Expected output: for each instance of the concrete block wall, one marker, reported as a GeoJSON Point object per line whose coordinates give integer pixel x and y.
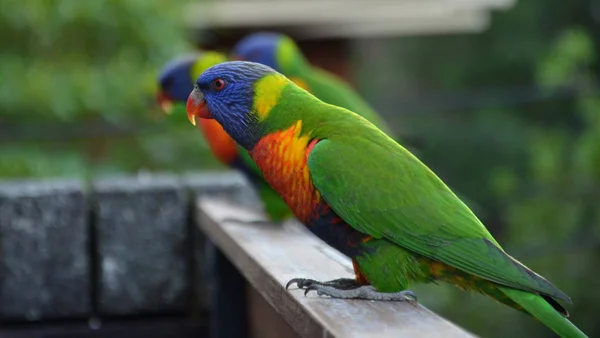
{"type": "Point", "coordinates": [121, 246]}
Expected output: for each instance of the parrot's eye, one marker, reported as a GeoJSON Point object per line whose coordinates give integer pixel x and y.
{"type": "Point", "coordinates": [218, 84]}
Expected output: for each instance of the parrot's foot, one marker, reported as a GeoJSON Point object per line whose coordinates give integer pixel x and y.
{"type": "Point", "coordinates": [367, 292]}
{"type": "Point", "coordinates": [340, 283]}
{"type": "Point", "coordinates": [259, 222]}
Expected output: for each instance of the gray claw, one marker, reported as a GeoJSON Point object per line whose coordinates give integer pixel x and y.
{"type": "Point", "coordinates": [340, 283]}
{"type": "Point", "coordinates": [409, 294]}
{"type": "Point", "coordinates": [301, 282]}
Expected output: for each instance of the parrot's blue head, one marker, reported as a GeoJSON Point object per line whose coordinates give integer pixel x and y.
{"type": "Point", "coordinates": [175, 81]}
{"type": "Point", "coordinates": [177, 77]}
{"type": "Point", "coordinates": [259, 47]}
{"type": "Point", "coordinates": [238, 95]}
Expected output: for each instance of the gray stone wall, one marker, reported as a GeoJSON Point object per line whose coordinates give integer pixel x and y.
{"type": "Point", "coordinates": [120, 246]}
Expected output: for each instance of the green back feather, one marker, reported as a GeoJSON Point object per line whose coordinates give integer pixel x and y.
{"type": "Point", "coordinates": [324, 85]}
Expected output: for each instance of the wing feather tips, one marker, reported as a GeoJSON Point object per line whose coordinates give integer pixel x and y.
{"type": "Point", "coordinates": [556, 306]}
{"type": "Point", "coordinates": [544, 287]}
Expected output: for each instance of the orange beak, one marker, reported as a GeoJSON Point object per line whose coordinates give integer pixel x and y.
{"type": "Point", "coordinates": [196, 106]}
{"type": "Point", "coordinates": [165, 102]}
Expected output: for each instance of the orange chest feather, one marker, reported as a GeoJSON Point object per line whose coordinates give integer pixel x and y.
{"type": "Point", "coordinates": [282, 157]}
{"type": "Point", "coordinates": [221, 144]}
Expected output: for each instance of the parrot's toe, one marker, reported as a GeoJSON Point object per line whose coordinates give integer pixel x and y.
{"type": "Point", "coordinates": [410, 296]}
{"type": "Point", "coordinates": [340, 283]}
{"type": "Point", "coordinates": [300, 282]}
{"type": "Point", "coordinates": [366, 292]}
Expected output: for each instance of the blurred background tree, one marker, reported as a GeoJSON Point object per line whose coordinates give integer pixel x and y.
{"type": "Point", "coordinates": [77, 88]}
{"type": "Point", "coordinates": [510, 118]}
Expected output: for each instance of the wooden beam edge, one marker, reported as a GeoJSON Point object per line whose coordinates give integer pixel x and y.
{"type": "Point", "coordinates": [261, 279]}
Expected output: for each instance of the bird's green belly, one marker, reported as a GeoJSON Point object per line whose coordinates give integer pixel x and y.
{"type": "Point", "coordinates": [391, 268]}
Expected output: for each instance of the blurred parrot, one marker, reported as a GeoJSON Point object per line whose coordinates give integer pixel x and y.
{"type": "Point", "coordinates": [281, 53]}
{"type": "Point", "coordinates": [176, 81]}
{"type": "Point", "coordinates": [367, 196]}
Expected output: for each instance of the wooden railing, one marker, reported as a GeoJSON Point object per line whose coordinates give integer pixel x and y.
{"type": "Point", "coordinates": [268, 255]}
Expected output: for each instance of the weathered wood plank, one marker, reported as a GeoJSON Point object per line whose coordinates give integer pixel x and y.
{"type": "Point", "coordinates": [263, 321]}
{"type": "Point", "coordinates": [218, 285]}
{"type": "Point", "coordinates": [227, 315]}
{"type": "Point", "coordinates": [268, 256]}
{"type": "Point", "coordinates": [326, 12]}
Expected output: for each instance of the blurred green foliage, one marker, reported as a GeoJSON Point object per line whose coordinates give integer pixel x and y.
{"type": "Point", "coordinates": [92, 64]}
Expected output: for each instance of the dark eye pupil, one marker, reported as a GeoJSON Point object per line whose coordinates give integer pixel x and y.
{"type": "Point", "coordinates": [219, 84]}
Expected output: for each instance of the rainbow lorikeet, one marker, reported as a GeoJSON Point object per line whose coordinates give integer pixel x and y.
{"type": "Point", "coordinates": [176, 80]}
{"type": "Point", "coordinates": [367, 196]}
{"type": "Point", "coordinates": [281, 53]}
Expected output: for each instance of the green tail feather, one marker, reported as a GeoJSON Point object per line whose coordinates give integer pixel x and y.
{"type": "Point", "coordinates": [544, 312]}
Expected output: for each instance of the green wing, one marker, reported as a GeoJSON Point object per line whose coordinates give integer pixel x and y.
{"type": "Point", "coordinates": [382, 190]}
